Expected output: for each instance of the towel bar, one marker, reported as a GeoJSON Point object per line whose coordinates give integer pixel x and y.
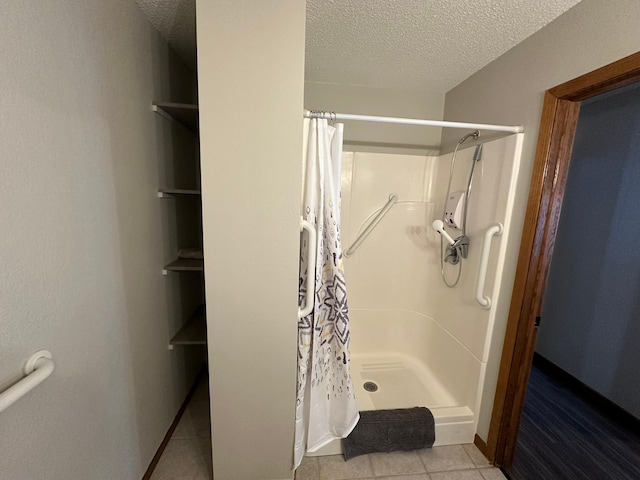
{"type": "Point", "coordinates": [393, 198]}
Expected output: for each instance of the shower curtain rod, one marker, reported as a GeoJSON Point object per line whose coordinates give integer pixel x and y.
{"type": "Point", "coordinates": [412, 121]}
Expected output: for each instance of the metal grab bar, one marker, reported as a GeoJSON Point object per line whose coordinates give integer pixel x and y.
{"type": "Point", "coordinates": [393, 198]}
{"type": "Point", "coordinates": [484, 262]}
{"type": "Point", "coordinates": [37, 369]}
{"type": "Point", "coordinates": [311, 269]}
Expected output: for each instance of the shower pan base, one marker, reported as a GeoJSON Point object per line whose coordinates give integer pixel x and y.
{"type": "Point", "coordinates": [405, 383]}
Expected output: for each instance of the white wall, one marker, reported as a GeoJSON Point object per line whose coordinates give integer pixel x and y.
{"type": "Point", "coordinates": [84, 239]}
{"type": "Point", "coordinates": [381, 137]}
{"type": "Point", "coordinates": [251, 79]}
{"type": "Point", "coordinates": [510, 91]}
{"type": "Point", "coordinates": [591, 307]}
{"type": "Point", "coordinates": [388, 269]}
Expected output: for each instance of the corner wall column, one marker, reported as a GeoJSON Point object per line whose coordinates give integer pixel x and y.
{"type": "Point", "coordinates": [251, 82]}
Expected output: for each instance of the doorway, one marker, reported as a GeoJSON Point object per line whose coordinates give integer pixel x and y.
{"type": "Point", "coordinates": [561, 108]}
{"type": "Point", "coordinates": [582, 402]}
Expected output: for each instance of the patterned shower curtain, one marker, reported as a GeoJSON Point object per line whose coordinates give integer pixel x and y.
{"type": "Point", "coordinates": [325, 406]}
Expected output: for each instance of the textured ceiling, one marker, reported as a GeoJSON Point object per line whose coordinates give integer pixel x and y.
{"type": "Point", "coordinates": [416, 44]}
{"type": "Point", "coordinates": [403, 44]}
{"type": "Point", "coordinates": [176, 22]}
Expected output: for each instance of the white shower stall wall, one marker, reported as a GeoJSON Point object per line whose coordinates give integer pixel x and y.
{"type": "Point", "coordinates": [419, 342]}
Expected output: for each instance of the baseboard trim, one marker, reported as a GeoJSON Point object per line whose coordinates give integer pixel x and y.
{"type": "Point", "coordinates": [608, 408]}
{"type": "Point", "coordinates": [174, 424]}
{"type": "Point", "coordinates": [482, 446]}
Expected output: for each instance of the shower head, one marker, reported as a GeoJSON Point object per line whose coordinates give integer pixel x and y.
{"type": "Point", "coordinates": [475, 134]}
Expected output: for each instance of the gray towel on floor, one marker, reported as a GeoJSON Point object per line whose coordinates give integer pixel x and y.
{"type": "Point", "coordinates": [390, 430]}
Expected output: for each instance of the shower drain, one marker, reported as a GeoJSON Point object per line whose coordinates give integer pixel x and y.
{"type": "Point", "coordinates": [370, 386]}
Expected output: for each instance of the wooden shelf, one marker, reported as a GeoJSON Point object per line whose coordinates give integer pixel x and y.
{"type": "Point", "coordinates": [184, 265]}
{"type": "Point", "coordinates": [172, 192]}
{"type": "Point", "coordinates": [194, 330]}
{"type": "Point", "coordinates": [183, 113]}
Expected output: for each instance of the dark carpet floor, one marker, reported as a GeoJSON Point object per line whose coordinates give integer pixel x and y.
{"type": "Point", "coordinates": [564, 436]}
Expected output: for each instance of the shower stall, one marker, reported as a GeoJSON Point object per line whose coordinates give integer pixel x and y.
{"type": "Point", "coordinates": [414, 341]}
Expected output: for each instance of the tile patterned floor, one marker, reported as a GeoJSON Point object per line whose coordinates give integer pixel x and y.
{"type": "Point", "coordinates": [455, 462]}
{"type": "Point", "coordinates": [188, 457]}
{"type": "Point", "coordinates": [188, 453]}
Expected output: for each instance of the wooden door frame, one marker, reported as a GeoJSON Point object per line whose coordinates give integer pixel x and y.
{"type": "Point", "coordinates": [551, 164]}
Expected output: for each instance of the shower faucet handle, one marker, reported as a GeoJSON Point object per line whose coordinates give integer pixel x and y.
{"type": "Point", "coordinates": [438, 226]}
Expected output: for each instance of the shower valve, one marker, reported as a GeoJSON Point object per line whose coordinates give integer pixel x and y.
{"type": "Point", "coordinates": [456, 249]}
{"type": "Point", "coordinates": [462, 245]}
{"type": "Point", "coordinates": [459, 249]}
{"type": "Point", "coordinates": [451, 255]}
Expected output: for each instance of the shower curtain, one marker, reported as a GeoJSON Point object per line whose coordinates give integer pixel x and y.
{"type": "Point", "coordinates": [325, 405]}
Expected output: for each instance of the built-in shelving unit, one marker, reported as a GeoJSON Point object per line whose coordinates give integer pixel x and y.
{"type": "Point", "coordinates": [176, 192]}
{"type": "Point", "coordinates": [182, 113]}
{"type": "Point", "coordinates": [194, 331]}
{"type": "Point", "coordinates": [184, 265]}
